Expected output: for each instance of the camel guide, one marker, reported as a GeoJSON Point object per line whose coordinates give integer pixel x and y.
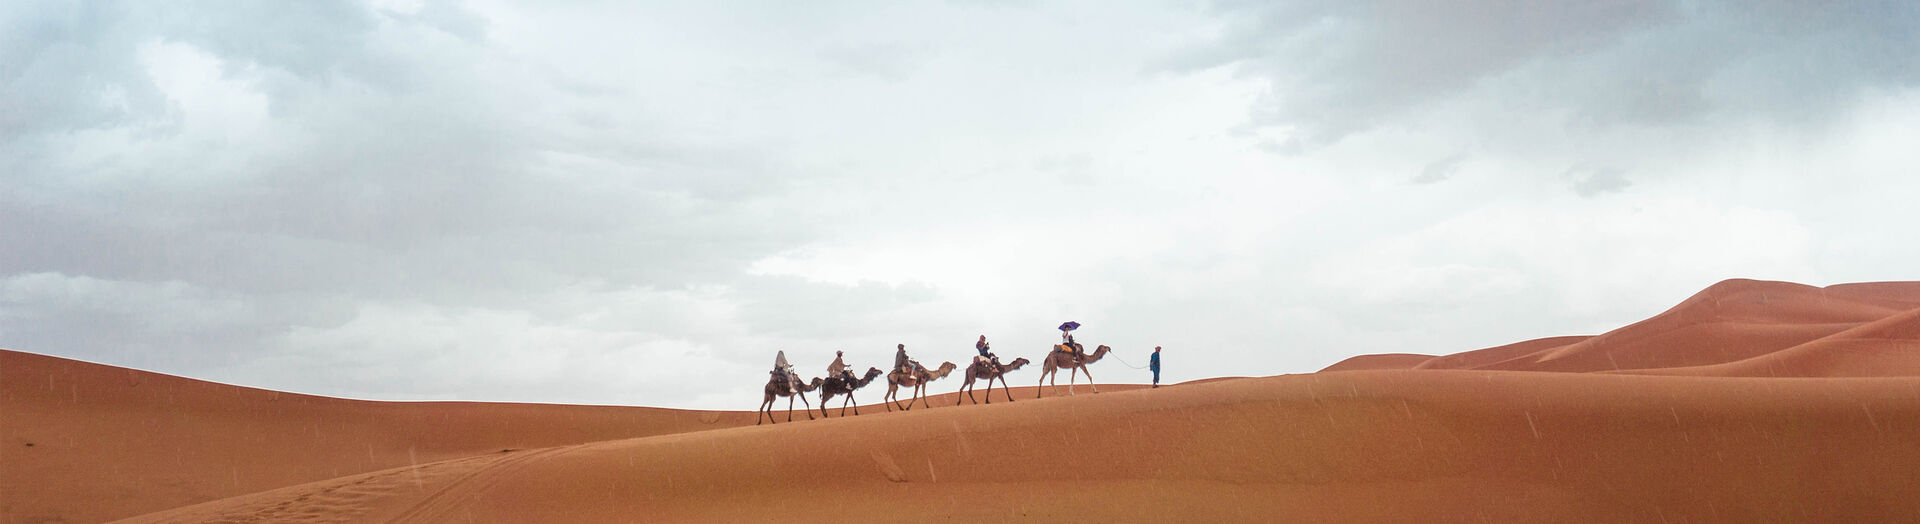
{"type": "Point", "coordinates": [1153, 363]}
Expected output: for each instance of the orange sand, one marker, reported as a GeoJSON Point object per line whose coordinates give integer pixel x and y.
{"type": "Point", "coordinates": [1751, 401]}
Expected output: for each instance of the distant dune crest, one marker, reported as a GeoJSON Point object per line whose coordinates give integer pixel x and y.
{"type": "Point", "coordinates": [1737, 328]}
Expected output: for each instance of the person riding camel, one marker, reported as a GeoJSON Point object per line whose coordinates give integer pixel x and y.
{"type": "Point", "coordinates": [1066, 340]}
{"type": "Point", "coordinates": [900, 360]}
{"type": "Point", "coordinates": [986, 352]}
{"type": "Point", "coordinates": [783, 370]}
{"type": "Point", "coordinates": [839, 367]}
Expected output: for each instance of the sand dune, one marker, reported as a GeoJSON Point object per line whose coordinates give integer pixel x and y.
{"type": "Point", "coordinates": [1484, 357]}
{"type": "Point", "coordinates": [1367, 445]}
{"type": "Point", "coordinates": [1732, 321]}
{"type": "Point", "coordinates": [1750, 401]}
{"type": "Point", "coordinates": [1381, 361]}
{"type": "Point", "coordinates": [84, 442]}
{"type": "Point", "coordinates": [1888, 347]}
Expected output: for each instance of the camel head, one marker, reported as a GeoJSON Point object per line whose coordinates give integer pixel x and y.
{"type": "Point", "coordinates": [1095, 355]}
{"type": "Point", "coordinates": [817, 381]}
{"type": "Point", "coordinates": [945, 368]}
{"type": "Point", "coordinates": [871, 372]}
{"type": "Point", "coordinates": [1010, 366]}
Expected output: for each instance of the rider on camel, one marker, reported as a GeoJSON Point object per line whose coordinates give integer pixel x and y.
{"type": "Point", "coordinates": [839, 367]}
{"type": "Point", "coordinates": [783, 370]}
{"type": "Point", "coordinates": [901, 362]}
{"type": "Point", "coordinates": [1066, 340]}
{"type": "Point", "coordinates": [986, 352]}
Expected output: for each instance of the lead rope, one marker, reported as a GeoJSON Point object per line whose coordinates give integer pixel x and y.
{"type": "Point", "coordinates": [1116, 356]}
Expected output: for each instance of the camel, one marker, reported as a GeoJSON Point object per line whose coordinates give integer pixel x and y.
{"type": "Point", "coordinates": [985, 370]}
{"type": "Point", "coordinates": [840, 386]}
{"type": "Point", "coordinates": [1060, 359]}
{"type": "Point", "coordinates": [776, 387]}
{"type": "Point", "coordinates": [917, 380]}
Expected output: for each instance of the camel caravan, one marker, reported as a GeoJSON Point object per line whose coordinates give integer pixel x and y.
{"type": "Point", "coordinates": [909, 374]}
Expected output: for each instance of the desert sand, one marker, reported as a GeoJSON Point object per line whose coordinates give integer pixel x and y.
{"type": "Point", "coordinates": [1749, 402]}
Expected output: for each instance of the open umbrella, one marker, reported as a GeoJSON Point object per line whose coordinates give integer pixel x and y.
{"type": "Point", "coordinates": [1069, 326]}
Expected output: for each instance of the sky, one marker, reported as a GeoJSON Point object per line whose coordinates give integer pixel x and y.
{"type": "Point", "coordinates": [639, 203]}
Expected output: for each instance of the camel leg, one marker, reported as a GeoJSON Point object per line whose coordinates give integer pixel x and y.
{"type": "Point", "coordinates": [911, 394]}
{"type": "Point", "coordinates": [1071, 374]}
{"type": "Point", "coordinates": [823, 406]}
{"type": "Point", "coordinates": [1040, 389]}
{"type": "Point", "coordinates": [850, 400]}
{"type": "Point", "coordinates": [1096, 387]}
{"type": "Point", "coordinates": [989, 390]}
{"type": "Point", "coordinates": [766, 406]}
{"type": "Point", "coordinates": [790, 409]}
{"type": "Point", "coordinates": [919, 395]}
{"type": "Point", "coordinates": [1004, 390]}
{"type": "Point", "coordinates": [803, 402]}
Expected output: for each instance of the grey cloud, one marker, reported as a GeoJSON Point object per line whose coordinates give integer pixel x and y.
{"type": "Point", "coordinates": [1336, 68]}
{"type": "Point", "coordinates": [394, 167]}
{"type": "Point", "coordinates": [892, 62]}
{"type": "Point", "coordinates": [312, 40]}
{"type": "Point", "coordinates": [770, 305]}
{"type": "Point", "coordinates": [1439, 170]}
{"type": "Point", "coordinates": [1342, 67]}
{"type": "Point", "coordinates": [66, 66]}
{"type": "Point", "coordinates": [162, 325]}
{"type": "Point", "coordinates": [396, 181]}
{"type": "Point", "coordinates": [1289, 147]}
{"type": "Point", "coordinates": [1590, 181]}
{"type": "Point", "coordinates": [448, 17]}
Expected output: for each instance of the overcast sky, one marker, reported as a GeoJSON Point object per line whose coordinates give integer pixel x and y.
{"type": "Point", "coordinates": [590, 202]}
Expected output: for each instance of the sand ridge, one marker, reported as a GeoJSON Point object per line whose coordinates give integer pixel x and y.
{"type": "Point", "coordinates": [86, 442]}
{"type": "Point", "coordinates": [1750, 401]}
{"type": "Point", "coordinates": [1733, 321]}
{"type": "Point", "coordinates": [1364, 445]}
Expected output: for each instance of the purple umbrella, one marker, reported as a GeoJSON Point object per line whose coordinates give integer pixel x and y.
{"type": "Point", "coordinates": [1070, 326]}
